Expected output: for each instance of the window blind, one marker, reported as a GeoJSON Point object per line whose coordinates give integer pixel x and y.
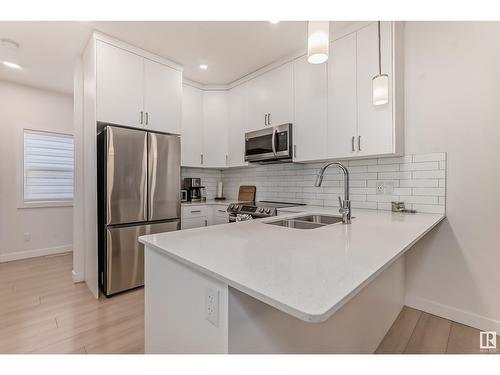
{"type": "Point", "coordinates": [48, 166]}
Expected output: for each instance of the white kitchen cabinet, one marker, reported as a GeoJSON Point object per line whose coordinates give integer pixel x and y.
{"type": "Point", "coordinates": [162, 97]}
{"type": "Point", "coordinates": [310, 105]}
{"type": "Point", "coordinates": [357, 127]}
{"type": "Point", "coordinates": [375, 123]}
{"type": "Point", "coordinates": [194, 222]}
{"type": "Point", "coordinates": [119, 84]}
{"type": "Point", "coordinates": [270, 99]}
{"type": "Point", "coordinates": [215, 131]}
{"type": "Point", "coordinates": [342, 100]}
{"type": "Point", "coordinates": [135, 91]}
{"type": "Point", "coordinates": [237, 125]}
{"type": "Point", "coordinates": [192, 126]}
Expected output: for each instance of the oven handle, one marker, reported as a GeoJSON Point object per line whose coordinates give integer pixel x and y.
{"type": "Point", "coordinates": [274, 141]}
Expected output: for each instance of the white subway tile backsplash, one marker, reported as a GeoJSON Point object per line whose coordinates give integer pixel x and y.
{"type": "Point", "coordinates": [427, 166]}
{"type": "Point", "coordinates": [437, 156]}
{"type": "Point", "coordinates": [429, 174]}
{"type": "Point", "coordinates": [394, 175]}
{"type": "Point", "coordinates": [383, 168]}
{"type": "Point", "coordinates": [419, 180]}
{"type": "Point", "coordinates": [429, 191]}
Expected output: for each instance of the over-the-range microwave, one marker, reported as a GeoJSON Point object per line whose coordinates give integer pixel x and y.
{"type": "Point", "coordinates": [269, 145]}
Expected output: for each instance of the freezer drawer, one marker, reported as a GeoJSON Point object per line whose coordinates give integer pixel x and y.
{"type": "Point", "coordinates": [126, 175]}
{"type": "Point", "coordinates": [164, 176]}
{"type": "Point", "coordinates": [125, 255]}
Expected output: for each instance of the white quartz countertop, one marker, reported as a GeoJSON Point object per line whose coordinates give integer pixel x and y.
{"type": "Point", "coordinates": [309, 273]}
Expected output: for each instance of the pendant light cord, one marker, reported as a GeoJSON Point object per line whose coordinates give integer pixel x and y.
{"type": "Point", "coordinates": [379, 52]}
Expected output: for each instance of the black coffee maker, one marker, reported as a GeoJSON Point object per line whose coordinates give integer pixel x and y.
{"type": "Point", "coordinates": [193, 187]}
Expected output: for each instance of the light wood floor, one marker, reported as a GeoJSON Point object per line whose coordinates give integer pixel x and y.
{"type": "Point", "coordinates": [43, 311]}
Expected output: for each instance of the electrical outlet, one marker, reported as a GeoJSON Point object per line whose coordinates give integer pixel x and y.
{"type": "Point", "coordinates": [385, 187]}
{"type": "Point", "coordinates": [380, 187]}
{"type": "Point", "coordinates": [212, 306]}
{"type": "Point", "coordinates": [27, 237]}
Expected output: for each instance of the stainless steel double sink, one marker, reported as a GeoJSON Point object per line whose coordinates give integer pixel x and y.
{"type": "Point", "coordinates": [307, 221]}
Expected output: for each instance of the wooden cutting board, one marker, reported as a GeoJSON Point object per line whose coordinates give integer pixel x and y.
{"type": "Point", "coordinates": [247, 193]}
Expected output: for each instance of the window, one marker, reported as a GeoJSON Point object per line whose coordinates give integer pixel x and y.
{"type": "Point", "coordinates": [48, 168]}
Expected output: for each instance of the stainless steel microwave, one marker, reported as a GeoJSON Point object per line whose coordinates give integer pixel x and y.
{"type": "Point", "coordinates": [272, 144]}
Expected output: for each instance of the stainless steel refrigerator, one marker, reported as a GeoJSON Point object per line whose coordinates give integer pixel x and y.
{"type": "Point", "coordinates": [138, 193]}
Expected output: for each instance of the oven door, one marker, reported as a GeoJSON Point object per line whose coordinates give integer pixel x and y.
{"type": "Point", "coordinates": [269, 144]}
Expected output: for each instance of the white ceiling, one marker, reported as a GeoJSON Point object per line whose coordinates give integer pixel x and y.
{"type": "Point", "coordinates": [230, 49]}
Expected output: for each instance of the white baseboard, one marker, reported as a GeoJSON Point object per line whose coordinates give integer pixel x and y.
{"type": "Point", "coordinates": [35, 253]}
{"type": "Point", "coordinates": [457, 315]}
{"type": "Point", "coordinates": [77, 277]}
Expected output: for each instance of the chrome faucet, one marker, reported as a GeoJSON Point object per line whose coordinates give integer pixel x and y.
{"type": "Point", "coordinates": [345, 204]}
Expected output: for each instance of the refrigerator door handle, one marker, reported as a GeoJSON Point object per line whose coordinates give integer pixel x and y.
{"type": "Point", "coordinates": [152, 161]}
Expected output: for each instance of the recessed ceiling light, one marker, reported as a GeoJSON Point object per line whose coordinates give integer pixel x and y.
{"type": "Point", "coordinates": [203, 66]}
{"type": "Point", "coordinates": [274, 22]}
{"type": "Point", "coordinates": [12, 65]}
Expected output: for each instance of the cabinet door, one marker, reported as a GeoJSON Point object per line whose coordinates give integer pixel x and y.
{"type": "Point", "coordinates": [280, 85]}
{"type": "Point", "coordinates": [342, 97]}
{"type": "Point", "coordinates": [119, 85]}
{"type": "Point", "coordinates": [192, 126]}
{"type": "Point", "coordinates": [215, 118]}
{"type": "Point", "coordinates": [310, 97]}
{"type": "Point", "coordinates": [237, 125]}
{"type": "Point", "coordinates": [162, 97]}
{"type": "Point", "coordinates": [271, 93]}
{"type": "Point", "coordinates": [375, 125]}
{"type": "Point", "coordinates": [194, 222]}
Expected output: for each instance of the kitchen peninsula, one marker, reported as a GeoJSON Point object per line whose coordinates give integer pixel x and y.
{"type": "Point", "coordinates": [251, 287]}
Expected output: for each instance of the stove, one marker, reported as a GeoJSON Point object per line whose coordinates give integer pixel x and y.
{"type": "Point", "coordinates": [248, 211]}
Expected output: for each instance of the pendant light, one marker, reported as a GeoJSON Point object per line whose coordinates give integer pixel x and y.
{"type": "Point", "coordinates": [380, 81]}
{"type": "Point", "coordinates": [318, 41]}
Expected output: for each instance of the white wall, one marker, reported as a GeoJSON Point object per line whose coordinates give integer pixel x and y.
{"type": "Point", "coordinates": [453, 104]}
{"type": "Point", "coordinates": [50, 228]}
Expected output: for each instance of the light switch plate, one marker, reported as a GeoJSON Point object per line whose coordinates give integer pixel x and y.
{"type": "Point", "coordinates": [212, 306]}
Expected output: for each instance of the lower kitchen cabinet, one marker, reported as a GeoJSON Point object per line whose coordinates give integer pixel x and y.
{"type": "Point", "coordinates": [194, 222]}
{"type": "Point", "coordinates": [202, 215]}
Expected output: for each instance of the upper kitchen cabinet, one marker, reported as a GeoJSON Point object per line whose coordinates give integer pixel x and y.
{"type": "Point", "coordinates": [377, 125]}
{"type": "Point", "coordinates": [133, 88]}
{"type": "Point", "coordinates": [192, 126]}
{"type": "Point", "coordinates": [162, 97]}
{"type": "Point", "coordinates": [119, 76]}
{"type": "Point", "coordinates": [357, 127]}
{"type": "Point", "coordinates": [237, 125]}
{"type": "Point", "coordinates": [310, 98]}
{"type": "Point", "coordinates": [270, 98]}
{"type": "Point", "coordinates": [215, 131]}
{"type": "Point", "coordinates": [342, 100]}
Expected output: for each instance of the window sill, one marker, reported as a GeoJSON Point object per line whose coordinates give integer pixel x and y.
{"type": "Point", "coordinates": [45, 204]}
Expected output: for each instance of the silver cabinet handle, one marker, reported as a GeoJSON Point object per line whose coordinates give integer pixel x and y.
{"type": "Point", "coordinates": [147, 117]}
{"type": "Point", "coordinates": [206, 222]}
{"type": "Point", "coordinates": [195, 211]}
{"type": "Point", "coordinates": [352, 143]}
{"type": "Point", "coordinates": [226, 159]}
{"type": "Point", "coordinates": [294, 151]}
{"type": "Point", "coordinates": [142, 117]}
{"type": "Point", "coordinates": [359, 143]}
{"type": "Point", "coordinates": [265, 119]}
{"type": "Point", "coordinates": [223, 211]}
{"type": "Point", "coordinates": [201, 158]}
{"type": "Point", "coordinates": [269, 118]}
